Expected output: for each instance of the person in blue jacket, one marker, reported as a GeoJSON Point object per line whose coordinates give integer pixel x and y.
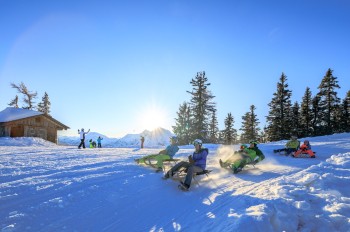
{"type": "Point", "coordinates": [196, 163]}
{"type": "Point", "coordinates": [99, 139]}
{"type": "Point", "coordinates": [168, 153]}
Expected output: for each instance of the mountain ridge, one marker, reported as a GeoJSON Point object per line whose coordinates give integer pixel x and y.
{"type": "Point", "coordinates": [158, 137]}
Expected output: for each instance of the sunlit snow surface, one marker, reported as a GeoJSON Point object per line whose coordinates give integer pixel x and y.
{"type": "Point", "coordinates": [45, 187]}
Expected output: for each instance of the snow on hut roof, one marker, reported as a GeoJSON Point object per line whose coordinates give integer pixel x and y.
{"type": "Point", "coordinates": [12, 114]}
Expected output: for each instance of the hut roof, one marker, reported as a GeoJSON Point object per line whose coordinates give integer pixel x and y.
{"type": "Point", "coordinates": [12, 114]}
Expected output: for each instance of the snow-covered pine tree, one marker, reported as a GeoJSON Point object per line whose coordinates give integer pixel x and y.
{"type": "Point", "coordinates": [278, 119]}
{"type": "Point", "coordinates": [328, 102]}
{"type": "Point", "coordinates": [213, 128]}
{"type": "Point", "coordinates": [201, 106]}
{"type": "Point", "coordinates": [28, 97]}
{"type": "Point", "coordinates": [45, 104]}
{"type": "Point", "coordinates": [250, 126]}
{"type": "Point", "coordinates": [229, 134]}
{"type": "Point", "coordinates": [306, 114]}
{"type": "Point", "coordinates": [182, 128]}
{"type": "Point", "coordinates": [14, 102]}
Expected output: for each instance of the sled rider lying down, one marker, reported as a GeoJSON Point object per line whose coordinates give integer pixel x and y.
{"type": "Point", "coordinates": [168, 153]}
{"type": "Point", "coordinates": [246, 155]}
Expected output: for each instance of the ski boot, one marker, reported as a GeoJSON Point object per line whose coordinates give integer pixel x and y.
{"type": "Point", "coordinates": [182, 186]}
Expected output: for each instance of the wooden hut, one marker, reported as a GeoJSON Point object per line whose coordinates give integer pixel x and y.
{"type": "Point", "coordinates": [16, 122]}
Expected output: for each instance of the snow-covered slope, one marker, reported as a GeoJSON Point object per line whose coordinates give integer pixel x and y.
{"type": "Point", "coordinates": [62, 188]}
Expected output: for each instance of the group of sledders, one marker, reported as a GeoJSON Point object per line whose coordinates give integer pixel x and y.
{"type": "Point", "coordinates": [296, 150]}
{"type": "Point", "coordinates": [196, 164]}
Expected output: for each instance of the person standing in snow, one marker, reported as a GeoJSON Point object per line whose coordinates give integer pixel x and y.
{"type": "Point", "coordinates": [99, 139]}
{"type": "Point", "coordinates": [196, 163]}
{"type": "Point", "coordinates": [142, 141]}
{"type": "Point", "coordinates": [82, 137]}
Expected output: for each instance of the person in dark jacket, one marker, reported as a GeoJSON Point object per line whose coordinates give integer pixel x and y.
{"type": "Point", "coordinates": [196, 163]}
{"type": "Point", "coordinates": [142, 141]}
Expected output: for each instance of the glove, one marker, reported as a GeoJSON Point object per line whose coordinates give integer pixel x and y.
{"type": "Point", "coordinates": [190, 159]}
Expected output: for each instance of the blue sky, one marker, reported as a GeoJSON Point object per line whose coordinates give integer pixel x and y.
{"type": "Point", "coordinates": [120, 67]}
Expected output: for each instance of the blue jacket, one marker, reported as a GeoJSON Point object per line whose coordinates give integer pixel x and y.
{"type": "Point", "coordinates": [171, 150]}
{"type": "Point", "coordinates": [200, 158]}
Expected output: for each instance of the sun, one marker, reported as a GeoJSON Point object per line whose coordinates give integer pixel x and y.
{"type": "Point", "coordinates": [152, 119]}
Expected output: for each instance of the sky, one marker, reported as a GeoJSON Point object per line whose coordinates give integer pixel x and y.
{"type": "Point", "coordinates": [45, 187]}
{"type": "Point", "coordinates": [119, 67]}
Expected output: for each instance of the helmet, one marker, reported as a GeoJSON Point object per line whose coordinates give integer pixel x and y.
{"type": "Point", "coordinates": [293, 137]}
{"type": "Point", "coordinates": [173, 138]}
{"type": "Point", "coordinates": [253, 142]}
{"type": "Point", "coordinates": [243, 146]}
{"type": "Point", "coordinates": [306, 141]}
{"type": "Point", "coordinates": [82, 129]}
{"type": "Point", "coordinates": [197, 141]}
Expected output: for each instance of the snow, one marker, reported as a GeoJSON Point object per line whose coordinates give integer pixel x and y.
{"type": "Point", "coordinates": [12, 114]}
{"type": "Point", "coordinates": [46, 187]}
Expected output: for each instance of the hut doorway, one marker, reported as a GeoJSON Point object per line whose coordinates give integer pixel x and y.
{"type": "Point", "coordinates": [17, 131]}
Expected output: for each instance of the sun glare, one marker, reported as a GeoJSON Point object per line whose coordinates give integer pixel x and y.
{"type": "Point", "coordinates": [152, 119]}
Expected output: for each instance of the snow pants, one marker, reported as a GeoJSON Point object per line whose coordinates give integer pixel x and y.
{"type": "Point", "coordinates": [287, 150]}
{"type": "Point", "coordinates": [82, 143]}
{"type": "Point", "coordinates": [191, 170]}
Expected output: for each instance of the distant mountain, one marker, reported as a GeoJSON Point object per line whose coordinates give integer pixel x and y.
{"type": "Point", "coordinates": [156, 138]}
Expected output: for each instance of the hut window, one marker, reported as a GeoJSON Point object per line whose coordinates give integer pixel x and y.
{"type": "Point", "coordinates": [31, 131]}
{"type": "Point", "coordinates": [37, 120]}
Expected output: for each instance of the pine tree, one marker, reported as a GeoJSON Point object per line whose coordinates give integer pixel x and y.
{"type": "Point", "coordinates": [306, 114]}
{"type": "Point", "coordinates": [250, 127]}
{"type": "Point", "coordinates": [296, 123]}
{"type": "Point", "coordinates": [278, 120]}
{"type": "Point", "coordinates": [328, 102]}
{"type": "Point", "coordinates": [45, 104]}
{"type": "Point", "coordinates": [316, 116]}
{"type": "Point", "coordinates": [346, 113]}
{"type": "Point", "coordinates": [14, 102]}
{"type": "Point", "coordinates": [201, 105]}
{"type": "Point", "coordinates": [28, 97]}
{"type": "Point", "coordinates": [213, 128]}
{"type": "Point", "coordinates": [263, 135]}
{"type": "Point", "coordinates": [229, 134]}
{"type": "Point", "coordinates": [183, 124]}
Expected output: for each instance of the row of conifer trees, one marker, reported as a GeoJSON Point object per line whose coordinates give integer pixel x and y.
{"type": "Point", "coordinates": [321, 114]}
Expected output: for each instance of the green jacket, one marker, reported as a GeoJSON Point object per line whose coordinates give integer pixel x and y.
{"type": "Point", "coordinates": [251, 153]}
{"type": "Point", "coordinates": [259, 154]}
{"type": "Point", "coordinates": [293, 144]}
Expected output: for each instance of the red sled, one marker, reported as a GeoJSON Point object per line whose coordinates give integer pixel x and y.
{"type": "Point", "coordinates": [303, 153]}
